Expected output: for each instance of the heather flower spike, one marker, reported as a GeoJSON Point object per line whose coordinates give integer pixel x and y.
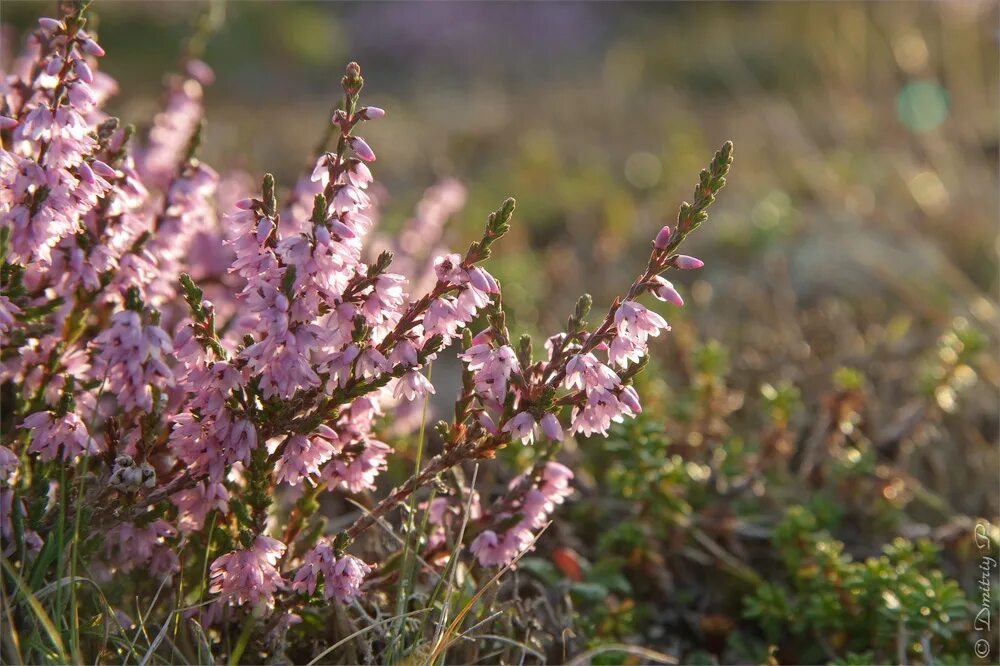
{"type": "Point", "coordinates": [219, 366]}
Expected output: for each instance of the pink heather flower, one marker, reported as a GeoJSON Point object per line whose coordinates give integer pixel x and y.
{"type": "Point", "coordinates": [50, 24]}
{"type": "Point", "coordinates": [359, 473]}
{"type": "Point", "coordinates": [491, 550]}
{"type": "Point", "coordinates": [249, 576]}
{"type": "Point", "coordinates": [412, 386]}
{"type": "Point", "coordinates": [342, 578]}
{"type": "Point", "coordinates": [686, 263]}
{"type": "Point", "coordinates": [584, 372]}
{"type": "Point", "coordinates": [404, 353]}
{"type": "Point", "coordinates": [522, 427]}
{"type": "Point", "coordinates": [83, 71]}
{"type": "Point", "coordinates": [551, 428]}
{"type": "Point", "coordinates": [200, 71]}
{"type": "Point", "coordinates": [91, 47]}
{"type": "Point", "coordinates": [492, 369]}
{"type": "Point", "coordinates": [372, 363]}
{"type": "Point", "coordinates": [482, 280]}
{"type": "Point", "coordinates": [630, 400]}
{"type": "Point", "coordinates": [662, 238]}
{"type": "Point", "coordinates": [319, 561]}
{"type": "Point", "coordinates": [596, 415]}
{"type": "Point", "coordinates": [132, 356]}
{"type": "Point", "coordinates": [193, 504]}
{"type": "Point", "coordinates": [346, 578]}
{"type": "Point", "coordinates": [664, 290]}
{"type": "Point", "coordinates": [371, 112]}
{"type": "Point", "coordinates": [130, 547]}
{"type": "Point", "coordinates": [555, 482]}
{"type": "Point", "coordinates": [488, 424]}
{"type": "Point", "coordinates": [625, 349]}
{"type": "Point", "coordinates": [362, 149]}
{"type": "Point", "coordinates": [8, 464]}
{"type": "Point", "coordinates": [172, 130]}
{"type": "Point", "coordinates": [303, 457]}
{"type": "Point", "coordinates": [51, 433]}
{"type": "Point", "coordinates": [7, 313]}
{"type": "Point", "coordinates": [637, 322]}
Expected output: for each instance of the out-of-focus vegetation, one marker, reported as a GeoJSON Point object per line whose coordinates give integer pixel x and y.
{"type": "Point", "coordinates": [806, 483]}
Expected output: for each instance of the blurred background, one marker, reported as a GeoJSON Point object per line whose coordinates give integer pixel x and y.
{"type": "Point", "coordinates": [837, 353]}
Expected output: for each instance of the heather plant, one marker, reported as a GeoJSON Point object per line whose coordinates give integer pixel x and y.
{"type": "Point", "coordinates": [778, 535]}
{"type": "Point", "coordinates": [190, 384]}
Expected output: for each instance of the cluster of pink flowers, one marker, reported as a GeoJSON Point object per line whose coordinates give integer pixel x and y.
{"type": "Point", "coordinates": [250, 575]}
{"type": "Point", "coordinates": [184, 412]}
{"type": "Point", "coordinates": [533, 509]}
{"type": "Point", "coordinates": [341, 576]}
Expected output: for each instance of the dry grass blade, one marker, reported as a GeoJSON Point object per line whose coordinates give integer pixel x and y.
{"type": "Point", "coordinates": [645, 653]}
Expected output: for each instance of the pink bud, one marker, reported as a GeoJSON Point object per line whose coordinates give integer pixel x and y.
{"type": "Point", "coordinates": [481, 338]}
{"type": "Point", "coordinates": [488, 424]}
{"type": "Point", "coordinates": [92, 48]}
{"type": "Point", "coordinates": [662, 238]}
{"type": "Point", "coordinates": [83, 72]}
{"type": "Point", "coordinates": [665, 292]}
{"type": "Point", "coordinates": [322, 234]}
{"type": "Point", "coordinates": [630, 399]}
{"type": "Point", "coordinates": [341, 229]}
{"type": "Point", "coordinates": [478, 280]}
{"type": "Point", "coordinates": [53, 66]}
{"type": "Point", "coordinates": [117, 140]}
{"type": "Point", "coordinates": [102, 169]}
{"type": "Point", "coordinates": [686, 263]}
{"type": "Point", "coordinates": [264, 228]}
{"type": "Point", "coordinates": [362, 149]}
{"type": "Point", "coordinates": [245, 204]}
{"type": "Point", "coordinates": [86, 173]}
{"type": "Point", "coordinates": [551, 427]}
{"type": "Point", "coordinates": [7, 123]}
{"type": "Point", "coordinates": [50, 24]}
{"type": "Point", "coordinates": [200, 72]}
{"type": "Point", "coordinates": [371, 112]}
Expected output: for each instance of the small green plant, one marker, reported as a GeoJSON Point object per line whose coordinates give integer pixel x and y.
{"type": "Point", "coordinates": [829, 606]}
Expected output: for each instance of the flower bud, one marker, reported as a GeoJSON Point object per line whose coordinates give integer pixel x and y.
{"type": "Point", "coordinates": [85, 173]}
{"type": "Point", "coordinates": [551, 427]}
{"type": "Point", "coordinates": [7, 123]}
{"type": "Point", "coordinates": [478, 279]}
{"type": "Point", "coordinates": [53, 66]}
{"type": "Point", "coordinates": [630, 399]}
{"type": "Point", "coordinates": [665, 291]}
{"type": "Point", "coordinates": [200, 72]}
{"type": "Point", "coordinates": [371, 112]}
{"type": "Point", "coordinates": [686, 263]}
{"type": "Point", "coordinates": [102, 169]}
{"type": "Point", "coordinates": [662, 238]}
{"type": "Point", "coordinates": [83, 72]}
{"type": "Point", "coordinates": [90, 47]}
{"type": "Point", "coordinates": [341, 229]}
{"type": "Point", "coordinates": [50, 24]}
{"type": "Point", "coordinates": [362, 149]}
{"type": "Point", "coordinates": [322, 234]}
{"type": "Point", "coordinates": [245, 204]}
{"type": "Point", "coordinates": [488, 424]}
